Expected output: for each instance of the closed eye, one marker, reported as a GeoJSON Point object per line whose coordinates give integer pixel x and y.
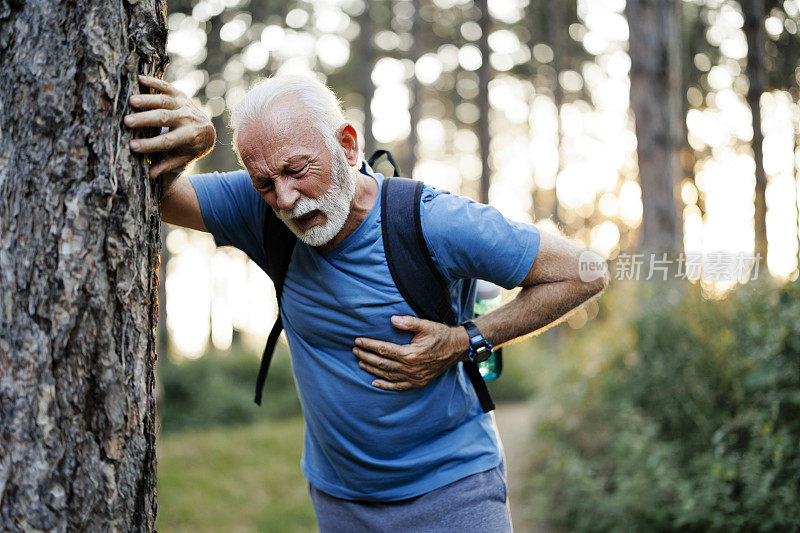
{"type": "Point", "coordinates": [300, 172]}
{"type": "Point", "coordinates": [263, 185]}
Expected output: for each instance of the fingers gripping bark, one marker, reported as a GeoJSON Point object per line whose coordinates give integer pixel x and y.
{"type": "Point", "coordinates": [190, 133]}
{"type": "Point", "coordinates": [159, 85]}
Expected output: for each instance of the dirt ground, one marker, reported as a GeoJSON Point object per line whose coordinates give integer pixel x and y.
{"type": "Point", "coordinates": [515, 423]}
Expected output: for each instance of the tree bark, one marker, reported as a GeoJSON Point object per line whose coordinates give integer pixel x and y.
{"type": "Point", "coordinates": [79, 223]}
{"type": "Point", "coordinates": [655, 42]}
{"type": "Point", "coordinates": [754, 15]}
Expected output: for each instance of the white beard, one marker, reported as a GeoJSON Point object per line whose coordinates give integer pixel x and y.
{"type": "Point", "coordinates": [334, 204]}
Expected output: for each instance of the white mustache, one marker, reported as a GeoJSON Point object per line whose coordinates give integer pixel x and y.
{"type": "Point", "coordinates": [306, 206]}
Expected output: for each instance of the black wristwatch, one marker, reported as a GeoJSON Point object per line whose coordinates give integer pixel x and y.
{"type": "Point", "coordinates": [479, 347]}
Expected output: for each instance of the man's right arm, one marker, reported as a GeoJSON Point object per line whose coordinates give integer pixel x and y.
{"type": "Point", "coordinates": [223, 204]}
{"type": "Point", "coordinates": [189, 135]}
{"type": "Point", "coordinates": [180, 206]}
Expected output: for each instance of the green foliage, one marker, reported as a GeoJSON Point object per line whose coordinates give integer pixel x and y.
{"type": "Point", "coordinates": [691, 423]}
{"type": "Point", "coordinates": [234, 479]}
{"type": "Point", "coordinates": [218, 389]}
{"type": "Point", "coordinates": [516, 382]}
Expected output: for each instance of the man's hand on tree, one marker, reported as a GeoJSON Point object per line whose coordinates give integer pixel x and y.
{"type": "Point", "coordinates": [434, 348]}
{"type": "Point", "coordinates": [191, 134]}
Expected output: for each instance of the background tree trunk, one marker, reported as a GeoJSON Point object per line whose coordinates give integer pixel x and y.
{"type": "Point", "coordinates": [694, 30]}
{"type": "Point", "coordinates": [656, 102]}
{"type": "Point", "coordinates": [215, 63]}
{"type": "Point", "coordinates": [79, 225]}
{"type": "Point", "coordinates": [162, 333]}
{"type": "Point", "coordinates": [365, 85]}
{"type": "Point", "coordinates": [484, 76]}
{"type": "Point", "coordinates": [555, 32]}
{"type": "Point", "coordinates": [753, 28]}
{"type": "Point", "coordinates": [416, 90]}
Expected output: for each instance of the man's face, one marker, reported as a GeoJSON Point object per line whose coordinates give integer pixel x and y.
{"type": "Point", "coordinates": [308, 187]}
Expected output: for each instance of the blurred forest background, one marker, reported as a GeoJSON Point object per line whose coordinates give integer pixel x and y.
{"type": "Point", "coordinates": [658, 126]}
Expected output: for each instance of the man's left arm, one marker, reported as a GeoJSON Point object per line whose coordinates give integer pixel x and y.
{"type": "Point", "coordinates": [552, 288]}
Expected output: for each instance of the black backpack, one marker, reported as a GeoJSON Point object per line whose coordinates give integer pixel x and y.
{"type": "Point", "coordinates": [413, 271]}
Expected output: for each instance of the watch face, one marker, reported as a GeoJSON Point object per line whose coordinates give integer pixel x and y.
{"type": "Point", "coordinates": [481, 354]}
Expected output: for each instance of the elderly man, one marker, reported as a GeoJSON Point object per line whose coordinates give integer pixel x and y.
{"type": "Point", "coordinates": [395, 439]}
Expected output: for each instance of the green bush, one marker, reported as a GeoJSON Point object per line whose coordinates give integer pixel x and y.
{"type": "Point", "coordinates": [516, 382]}
{"type": "Point", "coordinates": [693, 423]}
{"type": "Point", "coordinates": [218, 389]}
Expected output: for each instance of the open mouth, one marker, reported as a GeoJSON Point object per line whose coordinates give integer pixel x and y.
{"type": "Point", "coordinates": [307, 220]}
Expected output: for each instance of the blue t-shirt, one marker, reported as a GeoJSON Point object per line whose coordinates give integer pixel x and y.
{"type": "Point", "coordinates": [361, 442]}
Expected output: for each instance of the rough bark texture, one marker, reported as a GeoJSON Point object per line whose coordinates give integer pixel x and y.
{"type": "Point", "coordinates": [655, 40]}
{"type": "Point", "coordinates": [754, 15]}
{"type": "Point", "coordinates": [79, 246]}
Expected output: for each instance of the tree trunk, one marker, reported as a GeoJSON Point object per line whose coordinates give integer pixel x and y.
{"type": "Point", "coordinates": [416, 89]}
{"type": "Point", "coordinates": [796, 177]}
{"type": "Point", "coordinates": [753, 11]}
{"type": "Point", "coordinates": [162, 333]}
{"type": "Point", "coordinates": [555, 30]}
{"type": "Point", "coordinates": [695, 41]}
{"type": "Point", "coordinates": [79, 223]}
{"type": "Point", "coordinates": [484, 76]}
{"type": "Point", "coordinates": [215, 61]}
{"type": "Point", "coordinates": [656, 102]}
{"type": "Point", "coordinates": [365, 85]}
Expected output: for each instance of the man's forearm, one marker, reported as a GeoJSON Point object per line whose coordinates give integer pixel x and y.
{"type": "Point", "coordinates": [179, 204]}
{"type": "Point", "coordinates": [534, 309]}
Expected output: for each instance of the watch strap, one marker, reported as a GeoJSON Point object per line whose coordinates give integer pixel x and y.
{"type": "Point", "coordinates": [472, 331]}
{"type": "Point", "coordinates": [477, 342]}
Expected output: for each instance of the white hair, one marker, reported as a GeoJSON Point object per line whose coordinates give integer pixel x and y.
{"type": "Point", "coordinates": [322, 106]}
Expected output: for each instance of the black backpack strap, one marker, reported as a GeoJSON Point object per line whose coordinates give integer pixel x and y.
{"type": "Point", "coordinates": [411, 266]}
{"type": "Point", "coordinates": [374, 157]}
{"type": "Point", "coordinates": [410, 263]}
{"type": "Point", "coordinates": [279, 244]}
{"type": "Point", "coordinates": [479, 384]}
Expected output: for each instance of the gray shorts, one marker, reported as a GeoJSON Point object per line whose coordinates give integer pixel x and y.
{"type": "Point", "coordinates": [475, 503]}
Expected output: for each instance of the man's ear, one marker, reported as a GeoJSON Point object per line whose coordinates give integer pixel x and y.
{"type": "Point", "coordinates": [348, 140]}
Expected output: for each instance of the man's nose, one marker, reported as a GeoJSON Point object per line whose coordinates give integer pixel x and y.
{"type": "Point", "coordinates": [286, 195]}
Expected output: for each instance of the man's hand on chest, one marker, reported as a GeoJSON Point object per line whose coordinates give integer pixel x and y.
{"type": "Point", "coordinates": [434, 348]}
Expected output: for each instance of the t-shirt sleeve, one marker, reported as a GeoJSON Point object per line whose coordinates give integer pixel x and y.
{"type": "Point", "coordinates": [233, 212]}
{"type": "Point", "coordinates": [471, 240]}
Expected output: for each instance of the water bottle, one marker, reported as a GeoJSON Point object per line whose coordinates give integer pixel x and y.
{"type": "Point", "coordinates": [487, 298]}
